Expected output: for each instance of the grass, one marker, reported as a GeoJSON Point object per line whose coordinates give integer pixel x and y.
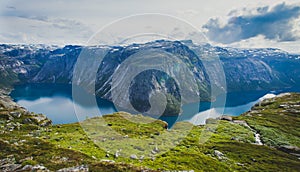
{"type": "Point", "coordinates": [278, 126]}
{"type": "Point", "coordinates": [95, 141]}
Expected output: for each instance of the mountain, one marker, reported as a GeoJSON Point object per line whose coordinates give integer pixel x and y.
{"type": "Point", "coordinates": [244, 69]}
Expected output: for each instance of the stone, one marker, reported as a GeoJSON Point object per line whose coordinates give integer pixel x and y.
{"type": "Point", "coordinates": [156, 149]}
{"type": "Point", "coordinates": [107, 160]}
{"type": "Point", "coordinates": [133, 156]}
{"type": "Point", "coordinates": [225, 118]}
{"type": "Point", "coordinates": [15, 114]}
{"type": "Point", "coordinates": [117, 154]}
{"type": "Point", "coordinates": [27, 121]}
{"type": "Point", "coordinates": [81, 168]}
{"type": "Point", "coordinates": [211, 121]}
{"type": "Point", "coordinates": [27, 168]}
{"type": "Point", "coordinates": [39, 167]}
{"type": "Point", "coordinates": [219, 154]}
{"type": "Point", "coordinates": [153, 152]}
{"type": "Point", "coordinates": [240, 122]}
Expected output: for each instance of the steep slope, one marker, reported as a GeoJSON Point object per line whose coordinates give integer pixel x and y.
{"type": "Point", "coordinates": [277, 121]}
{"type": "Point", "coordinates": [245, 69]}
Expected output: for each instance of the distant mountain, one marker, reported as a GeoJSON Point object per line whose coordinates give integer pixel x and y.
{"type": "Point", "coordinates": [245, 69]}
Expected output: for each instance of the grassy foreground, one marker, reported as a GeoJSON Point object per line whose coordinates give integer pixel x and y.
{"type": "Point", "coordinates": [119, 142]}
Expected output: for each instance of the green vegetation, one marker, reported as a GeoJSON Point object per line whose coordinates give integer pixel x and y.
{"type": "Point", "coordinates": [277, 120]}
{"type": "Point", "coordinates": [124, 142]}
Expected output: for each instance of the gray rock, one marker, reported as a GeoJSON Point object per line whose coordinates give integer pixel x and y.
{"type": "Point", "coordinates": [107, 160]}
{"type": "Point", "coordinates": [27, 168]}
{"type": "Point", "coordinates": [226, 118]}
{"type": "Point", "coordinates": [211, 121]}
{"type": "Point", "coordinates": [15, 114]}
{"type": "Point", "coordinates": [219, 154]}
{"type": "Point", "coordinates": [133, 156]}
{"type": "Point", "coordinates": [241, 122]}
{"type": "Point", "coordinates": [27, 121]}
{"type": "Point", "coordinates": [39, 168]}
{"type": "Point", "coordinates": [81, 168]}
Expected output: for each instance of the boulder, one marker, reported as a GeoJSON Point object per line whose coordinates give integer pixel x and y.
{"type": "Point", "coordinates": [211, 121]}
{"type": "Point", "coordinates": [225, 118]}
{"type": "Point", "coordinates": [133, 156]}
{"type": "Point", "coordinates": [81, 168]}
{"type": "Point", "coordinates": [218, 154]}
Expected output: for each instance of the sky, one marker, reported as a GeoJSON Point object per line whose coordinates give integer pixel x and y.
{"type": "Point", "coordinates": [229, 23]}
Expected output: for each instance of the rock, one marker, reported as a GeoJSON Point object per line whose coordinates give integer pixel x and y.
{"type": "Point", "coordinates": [10, 167]}
{"type": "Point", "coordinates": [27, 168]}
{"type": "Point", "coordinates": [7, 161]}
{"type": "Point", "coordinates": [117, 154]}
{"type": "Point", "coordinates": [153, 152]}
{"type": "Point", "coordinates": [156, 149]}
{"type": "Point", "coordinates": [139, 148]}
{"type": "Point", "coordinates": [240, 122]}
{"type": "Point", "coordinates": [15, 114]}
{"type": "Point", "coordinates": [81, 168]}
{"type": "Point", "coordinates": [211, 121]}
{"type": "Point", "coordinates": [27, 121]}
{"type": "Point", "coordinates": [107, 160]}
{"type": "Point", "coordinates": [142, 157]}
{"type": "Point", "coordinates": [283, 95]}
{"type": "Point", "coordinates": [219, 154]}
{"type": "Point", "coordinates": [240, 164]}
{"type": "Point", "coordinates": [283, 106]}
{"type": "Point", "coordinates": [133, 156]}
{"type": "Point", "coordinates": [225, 118]}
{"type": "Point", "coordinates": [9, 164]}
{"type": "Point", "coordinates": [46, 123]}
{"type": "Point", "coordinates": [290, 149]}
{"type": "Point", "coordinates": [39, 168]}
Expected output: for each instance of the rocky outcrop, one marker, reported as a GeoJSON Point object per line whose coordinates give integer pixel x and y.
{"type": "Point", "coordinates": [15, 116]}
{"type": "Point", "coordinates": [10, 165]}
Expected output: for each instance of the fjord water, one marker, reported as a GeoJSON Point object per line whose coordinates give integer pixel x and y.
{"type": "Point", "coordinates": [55, 101]}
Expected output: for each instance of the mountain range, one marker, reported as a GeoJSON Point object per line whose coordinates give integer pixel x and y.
{"type": "Point", "coordinates": [244, 70]}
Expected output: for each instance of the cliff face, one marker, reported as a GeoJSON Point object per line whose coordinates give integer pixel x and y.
{"type": "Point", "coordinates": [253, 69]}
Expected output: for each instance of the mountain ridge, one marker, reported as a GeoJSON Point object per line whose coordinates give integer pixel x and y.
{"type": "Point", "coordinates": [244, 69]}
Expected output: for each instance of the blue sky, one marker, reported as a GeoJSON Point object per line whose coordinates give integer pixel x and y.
{"type": "Point", "coordinates": [236, 23]}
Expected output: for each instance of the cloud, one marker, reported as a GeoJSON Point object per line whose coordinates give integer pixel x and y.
{"type": "Point", "coordinates": [277, 23]}
{"type": "Point", "coordinates": [11, 7]}
{"type": "Point", "coordinates": [39, 29]}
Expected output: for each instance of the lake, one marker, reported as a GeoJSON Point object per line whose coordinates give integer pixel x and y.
{"type": "Point", "coordinates": [56, 102]}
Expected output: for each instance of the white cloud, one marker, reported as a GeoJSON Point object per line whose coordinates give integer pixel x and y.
{"type": "Point", "coordinates": [73, 22]}
{"type": "Point", "coordinates": [43, 30]}
{"type": "Point", "coordinates": [261, 42]}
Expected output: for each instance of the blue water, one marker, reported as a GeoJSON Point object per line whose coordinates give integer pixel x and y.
{"type": "Point", "coordinates": [55, 101]}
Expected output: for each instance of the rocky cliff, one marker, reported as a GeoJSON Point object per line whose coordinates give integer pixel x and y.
{"type": "Point", "coordinates": [245, 69]}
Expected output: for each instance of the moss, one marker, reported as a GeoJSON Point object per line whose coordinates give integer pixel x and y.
{"type": "Point", "coordinates": [67, 145]}
{"type": "Point", "coordinates": [277, 120]}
